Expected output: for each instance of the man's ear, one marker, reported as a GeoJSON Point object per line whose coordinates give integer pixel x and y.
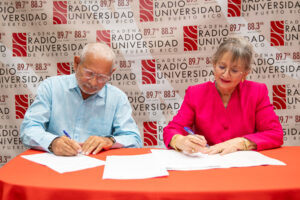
{"type": "Point", "coordinates": [76, 62]}
{"type": "Point", "coordinates": [113, 70]}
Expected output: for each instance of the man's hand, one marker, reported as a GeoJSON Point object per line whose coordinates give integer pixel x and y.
{"type": "Point", "coordinates": [189, 143]}
{"type": "Point", "coordinates": [64, 146]}
{"type": "Point", "coordinates": [94, 144]}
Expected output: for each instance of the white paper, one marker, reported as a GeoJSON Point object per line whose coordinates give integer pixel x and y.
{"type": "Point", "coordinates": [247, 159]}
{"type": "Point", "coordinates": [174, 160]}
{"type": "Point", "coordinates": [63, 164]}
{"type": "Point", "coordinates": [133, 167]}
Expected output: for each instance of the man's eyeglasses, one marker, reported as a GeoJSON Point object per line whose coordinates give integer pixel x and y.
{"type": "Point", "coordinates": [232, 71]}
{"type": "Point", "coordinates": [89, 74]}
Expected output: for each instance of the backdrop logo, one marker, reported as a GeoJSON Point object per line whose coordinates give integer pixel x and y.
{"type": "Point", "coordinates": [190, 38]}
{"type": "Point", "coordinates": [60, 12]}
{"type": "Point", "coordinates": [146, 11]}
{"type": "Point", "coordinates": [279, 97]}
{"type": "Point", "coordinates": [104, 36]}
{"type": "Point", "coordinates": [19, 45]}
{"type": "Point", "coordinates": [148, 72]}
{"type": "Point", "coordinates": [234, 8]}
{"type": "Point", "coordinates": [63, 69]}
{"type": "Point", "coordinates": [277, 33]}
{"type": "Point", "coordinates": [150, 133]}
{"type": "Point", "coordinates": [21, 103]}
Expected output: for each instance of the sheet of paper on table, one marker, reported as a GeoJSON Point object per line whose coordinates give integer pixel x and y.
{"type": "Point", "coordinates": [154, 164]}
{"type": "Point", "coordinates": [133, 167]}
{"type": "Point", "coordinates": [63, 164]}
{"type": "Point", "coordinates": [174, 160]}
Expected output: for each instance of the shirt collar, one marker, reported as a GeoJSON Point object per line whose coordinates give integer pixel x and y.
{"type": "Point", "coordinates": [74, 85]}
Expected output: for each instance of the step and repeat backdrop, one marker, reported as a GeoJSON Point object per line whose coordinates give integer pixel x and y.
{"type": "Point", "coordinates": [162, 47]}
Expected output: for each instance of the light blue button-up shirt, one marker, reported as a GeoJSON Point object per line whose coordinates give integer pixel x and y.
{"type": "Point", "coordinates": [59, 106]}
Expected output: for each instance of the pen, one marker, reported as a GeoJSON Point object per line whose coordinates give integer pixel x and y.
{"type": "Point", "coordinates": [66, 134]}
{"type": "Point", "coordinates": [187, 129]}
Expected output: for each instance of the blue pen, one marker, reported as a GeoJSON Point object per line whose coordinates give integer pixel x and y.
{"type": "Point", "coordinates": [187, 129]}
{"type": "Point", "coordinates": [66, 134]}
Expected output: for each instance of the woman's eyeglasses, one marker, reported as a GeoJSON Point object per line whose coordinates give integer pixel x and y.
{"type": "Point", "coordinates": [232, 71]}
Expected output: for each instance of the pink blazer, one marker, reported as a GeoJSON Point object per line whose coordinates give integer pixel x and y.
{"type": "Point", "coordinates": [249, 114]}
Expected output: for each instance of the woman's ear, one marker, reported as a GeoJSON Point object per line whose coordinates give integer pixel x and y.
{"type": "Point", "coordinates": [245, 74]}
{"type": "Point", "coordinates": [214, 68]}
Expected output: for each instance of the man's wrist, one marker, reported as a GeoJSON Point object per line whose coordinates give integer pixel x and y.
{"type": "Point", "coordinates": [50, 145]}
{"type": "Point", "coordinates": [112, 138]}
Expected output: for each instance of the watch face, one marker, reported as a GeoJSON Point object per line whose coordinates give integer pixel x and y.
{"type": "Point", "coordinates": [50, 147]}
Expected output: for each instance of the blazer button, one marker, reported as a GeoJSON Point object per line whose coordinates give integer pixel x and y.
{"type": "Point", "coordinates": [226, 127]}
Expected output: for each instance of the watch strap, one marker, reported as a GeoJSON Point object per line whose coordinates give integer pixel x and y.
{"type": "Point", "coordinates": [112, 138]}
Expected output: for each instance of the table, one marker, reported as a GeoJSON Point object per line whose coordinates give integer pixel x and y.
{"type": "Point", "coordinates": [21, 179]}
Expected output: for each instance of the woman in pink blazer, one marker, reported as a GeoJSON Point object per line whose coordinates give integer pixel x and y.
{"type": "Point", "coordinates": [229, 114]}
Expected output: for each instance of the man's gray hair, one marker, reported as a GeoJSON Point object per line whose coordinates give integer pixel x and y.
{"type": "Point", "coordinates": [98, 49]}
{"type": "Point", "coordinates": [240, 49]}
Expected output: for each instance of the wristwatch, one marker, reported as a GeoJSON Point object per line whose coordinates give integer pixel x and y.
{"type": "Point", "coordinates": [246, 144]}
{"type": "Point", "coordinates": [112, 138]}
{"type": "Point", "coordinates": [50, 145]}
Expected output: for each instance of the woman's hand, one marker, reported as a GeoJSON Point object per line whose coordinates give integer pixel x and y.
{"type": "Point", "coordinates": [189, 143]}
{"type": "Point", "coordinates": [232, 145]}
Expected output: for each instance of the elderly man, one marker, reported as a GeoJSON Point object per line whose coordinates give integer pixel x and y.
{"type": "Point", "coordinates": [80, 112]}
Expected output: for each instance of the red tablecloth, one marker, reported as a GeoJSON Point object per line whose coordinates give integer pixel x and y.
{"type": "Point", "coordinates": [22, 179]}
